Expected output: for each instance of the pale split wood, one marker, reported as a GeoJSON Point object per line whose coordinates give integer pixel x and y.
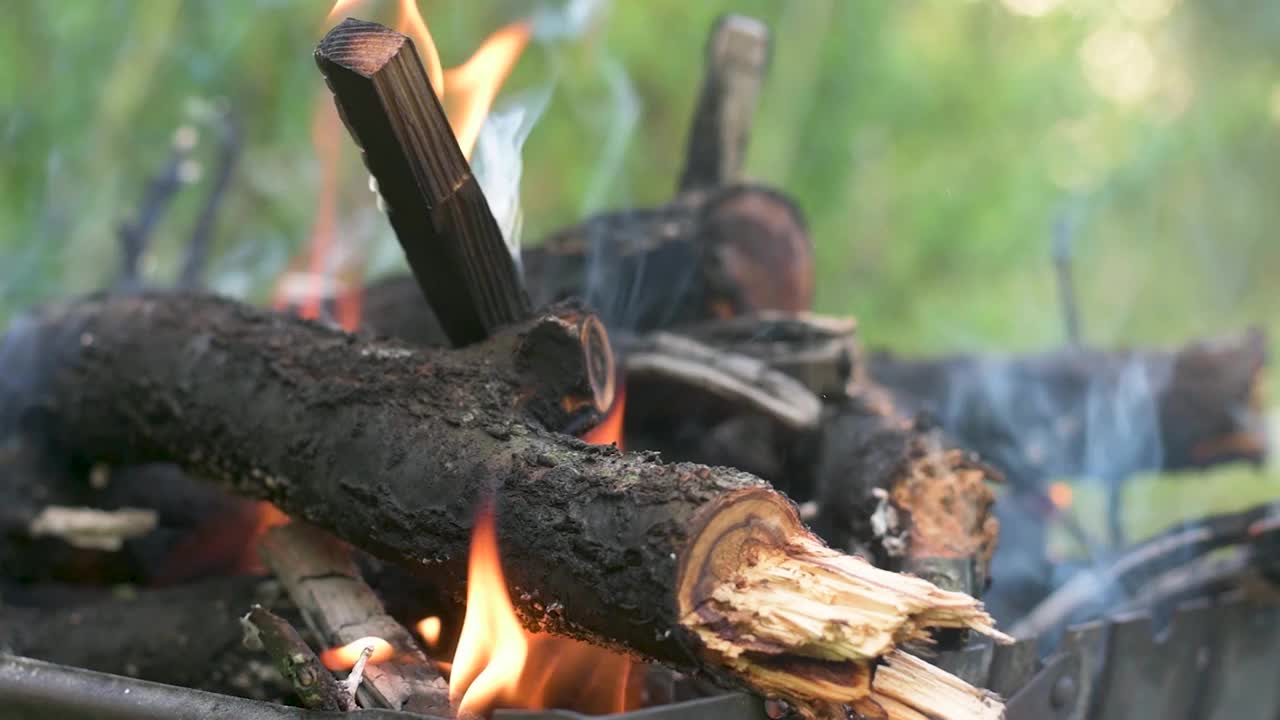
{"type": "Point", "coordinates": [317, 571]}
{"type": "Point", "coordinates": [906, 680]}
{"type": "Point", "coordinates": [806, 622]}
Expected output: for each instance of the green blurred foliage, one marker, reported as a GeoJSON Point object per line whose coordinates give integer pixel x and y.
{"type": "Point", "coordinates": [932, 144]}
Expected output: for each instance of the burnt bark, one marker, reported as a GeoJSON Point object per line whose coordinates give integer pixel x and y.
{"type": "Point", "coordinates": [391, 450]}
{"type": "Point", "coordinates": [396, 451]}
{"type": "Point", "coordinates": [713, 253]}
{"type": "Point", "coordinates": [889, 487]}
{"type": "Point", "coordinates": [441, 217]}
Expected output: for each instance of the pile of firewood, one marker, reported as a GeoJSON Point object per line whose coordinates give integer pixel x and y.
{"type": "Point", "coordinates": [387, 443]}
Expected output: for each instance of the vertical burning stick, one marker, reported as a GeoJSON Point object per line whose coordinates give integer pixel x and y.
{"type": "Point", "coordinates": [317, 571]}
{"type": "Point", "coordinates": [450, 237]}
{"type": "Point", "coordinates": [737, 57]}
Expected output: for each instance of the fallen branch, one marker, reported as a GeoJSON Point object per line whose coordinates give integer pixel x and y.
{"type": "Point", "coordinates": [323, 581]}
{"type": "Point", "coordinates": [395, 451]}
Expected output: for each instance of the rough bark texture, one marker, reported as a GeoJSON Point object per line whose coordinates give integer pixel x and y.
{"type": "Point", "coordinates": [888, 488]}
{"type": "Point", "coordinates": [188, 635]}
{"type": "Point", "coordinates": [396, 451]}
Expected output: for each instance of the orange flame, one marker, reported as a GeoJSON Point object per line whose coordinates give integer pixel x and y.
{"type": "Point", "coordinates": [470, 88]}
{"type": "Point", "coordinates": [1061, 494]}
{"type": "Point", "coordinates": [429, 630]}
{"type": "Point", "coordinates": [499, 664]}
{"type": "Point", "coordinates": [609, 431]}
{"type": "Point", "coordinates": [493, 647]}
{"type": "Point", "coordinates": [345, 657]}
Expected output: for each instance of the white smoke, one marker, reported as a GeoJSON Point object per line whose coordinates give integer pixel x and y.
{"type": "Point", "coordinates": [497, 161]}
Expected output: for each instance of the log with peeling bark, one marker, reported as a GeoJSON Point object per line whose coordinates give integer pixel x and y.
{"type": "Point", "coordinates": [395, 450]}
{"type": "Point", "coordinates": [892, 489]}
{"type": "Point", "coordinates": [711, 253]}
{"type": "Point", "coordinates": [188, 635]}
{"type": "Point", "coordinates": [737, 57]}
{"type": "Point", "coordinates": [324, 582]}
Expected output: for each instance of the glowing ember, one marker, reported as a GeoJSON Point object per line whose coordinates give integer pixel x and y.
{"type": "Point", "coordinates": [1061, 494]}
{"type": "Point", "coordinates": [429, 631]}
{"type": "Point", "coordinates": [500, 664]}
{"type": "Point", "coordinates": [609, 431]}
{"type": "Point", "coordinates": [344, 658]}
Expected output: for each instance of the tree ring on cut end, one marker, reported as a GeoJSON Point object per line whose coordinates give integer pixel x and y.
{"type": "Point", "coordinates": [729, 535]}
{"type": "Point", "coordinates": [598, 355]}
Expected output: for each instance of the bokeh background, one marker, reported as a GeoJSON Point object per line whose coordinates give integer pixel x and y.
{"type": "Point", "coordinates": [934, 146]}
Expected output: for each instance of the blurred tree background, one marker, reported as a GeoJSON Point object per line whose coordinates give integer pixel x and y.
{"type": "Point", "coordinates": [934, 145]}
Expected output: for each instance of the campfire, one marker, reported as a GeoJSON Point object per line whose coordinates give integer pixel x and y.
{"type": "Point", "coordinates": [490, 486]}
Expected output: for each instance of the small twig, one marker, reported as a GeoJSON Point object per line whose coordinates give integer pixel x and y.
{"type": "Point", "coordinates": [316, 687]}
{"type": "Point", "coordinates": [352, 683]}
{"type": "Point", "coordinates": [90, 528]}
{"type": "Point", "coordinates": [197, 257]}
{"type": "Point", "coordinates": [135, 234]}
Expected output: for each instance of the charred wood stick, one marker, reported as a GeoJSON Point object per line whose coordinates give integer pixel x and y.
{"type": "Point", "coordinates": [325, 584]}
{"type": "Point", "coordinates": [315, 686]}
{"type": "Point", "coordinates": [394, 451]}
{"type": "Point", "coordinates": [188, 635]}
{"type": "Point", "coordinates": [706, 254]}
{"type": "Point", "coordinates": [737, 57]}
{"type": "Point", "coordinates": [1197, 405]}
{"type": "Point", "coordinates": [450, 237]}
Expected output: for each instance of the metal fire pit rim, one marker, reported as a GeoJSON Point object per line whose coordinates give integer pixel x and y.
{"type": "Point", "coordinates": [50, 691]}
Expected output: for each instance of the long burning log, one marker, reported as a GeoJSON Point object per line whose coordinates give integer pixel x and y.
{"type": "Point", "coordinates": [449, 236]}
{"type": "Point", "coordinates": [1197, 405]}
{"type": "Point", "coordinates": [703, 568]}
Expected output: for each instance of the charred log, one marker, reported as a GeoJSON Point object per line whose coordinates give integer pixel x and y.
{"type": "Point", "coordinates": [394, 451]}
{"type": "Point", "coordinates": [707, 254]}
{"type": "Point", "coordinates": [189, 635]}
{"type": "Point", "coordinates": [1197, 405]}
{"type": "Point", "coordinates": [891, 489]}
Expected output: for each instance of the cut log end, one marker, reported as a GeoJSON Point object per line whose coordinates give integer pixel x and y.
{"type": "Point", "coordinates": [794, 618]}
{"type": "Point", "coordinates": [360, 46]}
